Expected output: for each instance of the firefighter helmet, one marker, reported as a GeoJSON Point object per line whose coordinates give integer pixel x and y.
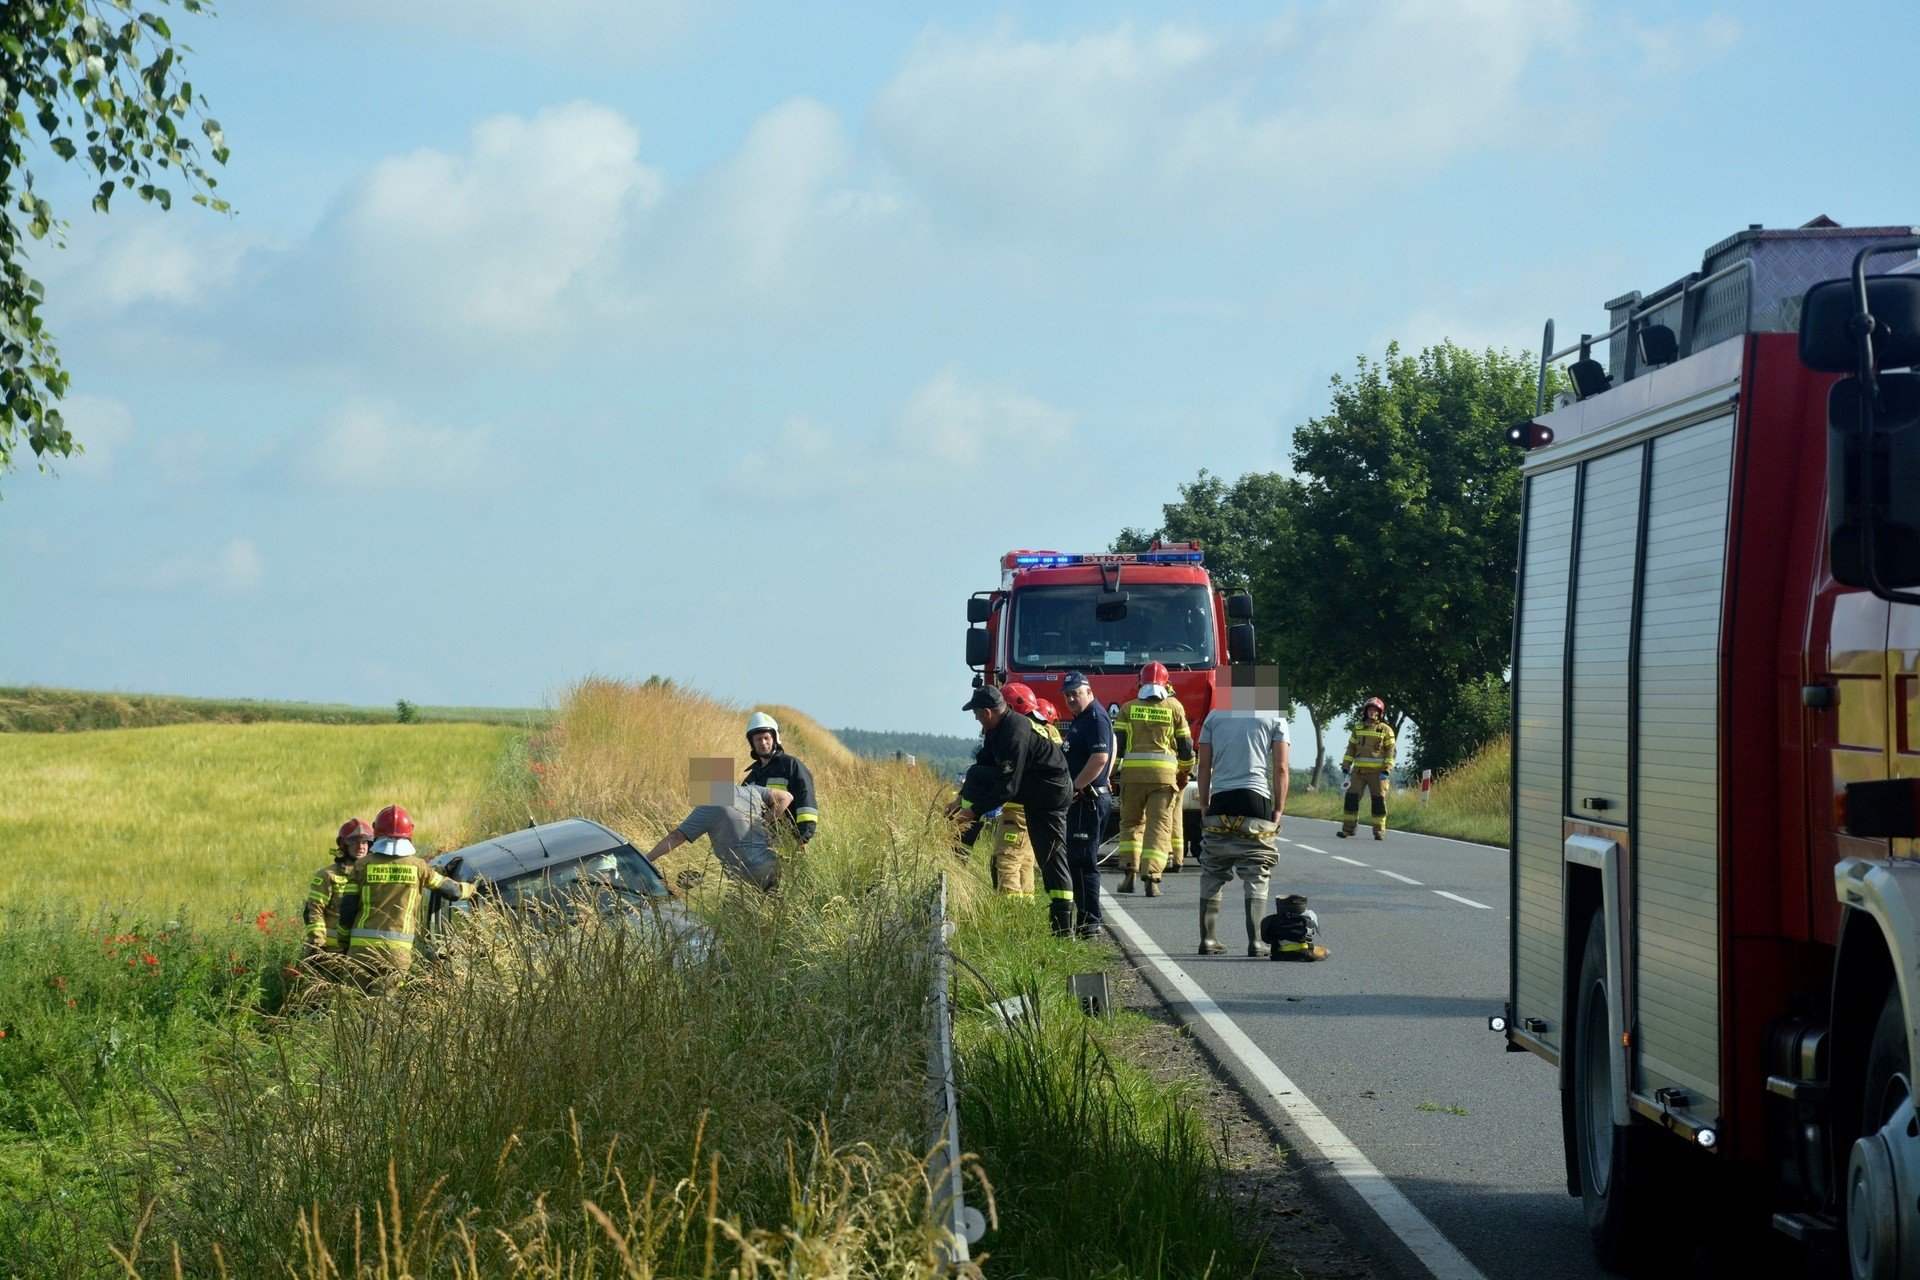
{"type": "Point", "coordinates": [1375, 704]}
{"type": "Point", "coordinates": [1155, 673]}
{"type": "Point", "coordinates": [1047, 712]}
{"type": "Point", "coordinates": [761, 720]}
{"type": "Point", "coordinates": [393, 823]}
{"type": "Point", "coordinates": [351, 830]}
{"type": "Point", "coordinates": [1019, 698]}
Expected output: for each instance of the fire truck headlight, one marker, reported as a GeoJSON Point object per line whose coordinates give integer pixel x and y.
{"type": "Point", "coordinates": [1496, 1023]}
{"type": "Point", "coordinates": [1707, 1139]}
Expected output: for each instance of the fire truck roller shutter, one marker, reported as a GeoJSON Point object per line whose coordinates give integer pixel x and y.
{"type": "Point", "coordinates": [1539, 784]}
{"type": "Point", "coordinates": [1602, 635]}
{"type": "Point", "coordinates": [1676, 854]}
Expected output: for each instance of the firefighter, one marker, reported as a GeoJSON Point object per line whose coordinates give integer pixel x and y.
{"type": "Point", "coordinates": [1013, 861]}
{"type": "Point", "coordinates": [1177, 842]}
{"type": "Point", "coordinates": [1243, 776]}
{"type": "Point", "coordinates": [775, 770]}
{"type": "Point", "coordinates": [1046, 718]}
{"type": "Point", "coordinates": [326, 893]}
{"type": "Point", "coordinates": [1156, 749]}
{"type": "Point", "coordinates": [1368, 765]}
{"type": "Point", "coordinates": [1017, 764]}
{"type": "Point", "coordinates": [383, 916]}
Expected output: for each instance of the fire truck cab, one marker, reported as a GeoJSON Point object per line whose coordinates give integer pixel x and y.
{"type": "Point", "coordinates": [1716, 752]}
{"type": "Point", "coordinates": [1107, 615]}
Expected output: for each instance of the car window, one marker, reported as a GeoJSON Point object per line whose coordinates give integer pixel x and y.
{"type": "Point", "coordinates": [623, 870]}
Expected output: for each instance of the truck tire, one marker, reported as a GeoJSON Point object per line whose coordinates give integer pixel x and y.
{"type": "Point", "coordinates": [1873, 1231]}
{"type": "Point", "coordinates": [1624, 1169]}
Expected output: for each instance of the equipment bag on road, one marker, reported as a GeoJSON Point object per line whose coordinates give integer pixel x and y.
{"type": "Point", "coordinates": [1293, 931]}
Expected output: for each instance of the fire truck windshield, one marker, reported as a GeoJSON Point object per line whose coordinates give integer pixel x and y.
{"type": "Point", "coordinates": [1055, 628]}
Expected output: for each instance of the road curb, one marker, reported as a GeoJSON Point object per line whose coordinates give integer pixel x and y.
{"type": "Point", "coordinates": [1357, 1219]}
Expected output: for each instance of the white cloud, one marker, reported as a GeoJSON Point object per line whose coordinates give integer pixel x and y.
{"type": "Point", "coordinates": [762, 197]}
{"type": "Point", "coordinates": [947, 430]}
{"type": "Point", "coordinates": [365, 444]}
{"type": "Point", "coordinates": [233, 570]}
{"type": "Point", "coordinates": [103, 426]}
{"type": "Point", "coordinates": [1135, 125]}
{"type": "Point", "coordinates": [513, 239]}
{"type": "Point", "coordinates": [111, 265]}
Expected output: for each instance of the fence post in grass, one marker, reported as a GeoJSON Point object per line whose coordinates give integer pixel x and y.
{"type": "Point", "coordinates": [960, 1226]}
{"type": "Point", "coordinates": [1426, 785]}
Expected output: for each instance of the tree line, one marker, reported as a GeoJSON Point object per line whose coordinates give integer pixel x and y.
{"type": "Point", "coordinates": [1384, 563]}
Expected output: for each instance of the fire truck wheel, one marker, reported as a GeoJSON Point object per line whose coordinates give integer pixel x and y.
{"type": "Point", "coordinates": [1623, 1168]}
{"type": "Point", "coordinates": [1875, 1216]}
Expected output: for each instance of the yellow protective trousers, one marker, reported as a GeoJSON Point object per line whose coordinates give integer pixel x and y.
{"type": "Point", "coordinates": [1366, 779]}
{"type": "Point", "coordinates": [1013, 862]}
{"type": "Point", "coordinates": [1149, 808]}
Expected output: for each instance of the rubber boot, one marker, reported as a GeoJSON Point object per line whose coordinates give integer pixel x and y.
{"type": "Point", "coordinates": [1379, 833]}
{"type": "Point", "coordinates": [1255, 947]}
{"type": "Point", "coordinates": [1126, 883]}
{"type": "Point", "coordinates": [1152, 886]}
{"type": "Point", "coordinates": [1210, 944]}
{"type": "Point", "coordinates": [1060, 917]}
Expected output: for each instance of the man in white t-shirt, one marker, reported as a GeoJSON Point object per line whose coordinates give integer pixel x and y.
{"type": "Point", "coordinates": [1243, 775]}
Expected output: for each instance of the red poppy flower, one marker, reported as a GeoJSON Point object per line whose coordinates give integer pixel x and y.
{"type": "Point", "coordinates": [152, 963]}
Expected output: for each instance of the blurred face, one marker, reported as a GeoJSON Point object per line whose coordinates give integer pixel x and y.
{"type": "Point", "coordinates": [761, 740]}
{"type": "Point", "coordinates": [1078, 698]}
{"type": "Point", "coordinates": [710, 780]}
{"type": "Point", "coordinates": [988, 716]}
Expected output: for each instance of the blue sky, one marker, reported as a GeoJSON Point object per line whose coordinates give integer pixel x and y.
{"type": "Point", "coordinates": [736, 341]}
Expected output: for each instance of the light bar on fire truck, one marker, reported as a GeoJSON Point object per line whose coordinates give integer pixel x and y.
{"type": "Point", "coordinates": [1033, 560]}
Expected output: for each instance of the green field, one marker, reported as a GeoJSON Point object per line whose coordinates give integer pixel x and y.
{"type": "Point", "coordinates": [37, 709]}
{"type": "Point", "coordinates": [1471, 802]}
{"type": "Point", "coordinates": [216, 819]}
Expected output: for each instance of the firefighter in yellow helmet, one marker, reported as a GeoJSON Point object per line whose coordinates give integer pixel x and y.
{"type": "Point", "coordinates": [1155, 747]}
{"type": "Point", "coordinates": [327, 891]}
{"type": "Point", "coordinates": [384, 918]}
{"type": "Point", "coordinates": [1369, 767]}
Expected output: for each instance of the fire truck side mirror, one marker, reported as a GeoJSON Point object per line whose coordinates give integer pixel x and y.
{"type": "Point", "coordinates": [976, 647]}
{"type": "Point", "coordinates": [979, 609]}
{"type": "Point", "coordinates": [1829, 340]}
{"type": "Point", "coordinates": [1240, 607]}
{"type": "Point", "coordinates": [1890, 513]}
{"type": "Point", "coordinates": [1240, 642]}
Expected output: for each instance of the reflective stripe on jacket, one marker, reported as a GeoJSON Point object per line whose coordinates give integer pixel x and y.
{"type": "Point", "coordinates": [1369, 746]}
{"type": "Point", "coordinates": [330, 886]}
{"type": "Point", "coordinates": [391, 894]}
{"type": "Point", "coordinates": [781, 772]}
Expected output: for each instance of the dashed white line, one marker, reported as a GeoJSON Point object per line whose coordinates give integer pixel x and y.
{"type": "Point", "coordinates": [1437, 1253]}
{"type": "Point", "coordinates": [1397, 876]}
{"type": "Point", "coordinates": [1310, 849]}
{"type": "Point", "coordinates": [1355, 862]}
{"type": "Point", "coordinates": [1467, 901]}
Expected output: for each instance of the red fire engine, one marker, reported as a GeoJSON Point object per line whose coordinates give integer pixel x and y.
{"type": "Point", "coordinates": [1716, 751]}
{"type": "Point", "coordinates": [1108, 615]}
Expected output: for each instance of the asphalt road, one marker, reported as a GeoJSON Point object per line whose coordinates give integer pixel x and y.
{"type": "Point", "coordinates": [1389, 1036]}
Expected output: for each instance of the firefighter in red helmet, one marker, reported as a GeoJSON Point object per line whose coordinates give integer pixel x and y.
{"type": "Point", "coordinates": [391, 883]}
{"type": "Point", "coordinates": [1369, 767]}
{"type": "Point", "coordinates": [327, 890]}
{"type": "Point", "coordinates": [1014, 865]}
{"type": "Point", "coordinates": [1155, 747]}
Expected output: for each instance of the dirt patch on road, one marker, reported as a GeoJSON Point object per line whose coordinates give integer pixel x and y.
{"type": "Point", "coordinates": [1278, 1206]}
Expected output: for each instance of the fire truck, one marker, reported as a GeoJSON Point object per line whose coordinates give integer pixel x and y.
{"type": "Point", "coordinates": [1108, 615]}
{"type": "Point", "coordinates": [1715, 891]}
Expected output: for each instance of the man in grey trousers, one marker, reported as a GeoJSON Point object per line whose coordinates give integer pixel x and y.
{"type": "Point", "coordinates": [1243, 776]}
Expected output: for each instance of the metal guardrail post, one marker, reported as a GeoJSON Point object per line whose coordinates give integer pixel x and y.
{"type": "Point", "coordinates": [961, 1226]}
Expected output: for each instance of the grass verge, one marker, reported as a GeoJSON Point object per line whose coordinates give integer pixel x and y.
{"type": "Point", "coordinates": [1471, 802]}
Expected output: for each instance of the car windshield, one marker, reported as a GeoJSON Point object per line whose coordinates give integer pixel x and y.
{"type": "Point", "coordinates": [1055, 628]}
{"type": "Point", "coordinates": [622, 871]}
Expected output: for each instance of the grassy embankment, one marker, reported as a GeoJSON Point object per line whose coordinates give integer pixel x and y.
{"type": "Point", "coordinates": [578, 1104]}
{"type": "Point", "coordinates": [1471, 802]}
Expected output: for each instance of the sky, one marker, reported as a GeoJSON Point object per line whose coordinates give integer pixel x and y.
{"type": "Point", "coordinates": [736, 341]}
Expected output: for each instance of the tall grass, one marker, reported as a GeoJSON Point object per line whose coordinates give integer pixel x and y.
{"type": "Point", "coordinates": [1470, 802]}
{"type": "Point", "coordinates": [218, 820]}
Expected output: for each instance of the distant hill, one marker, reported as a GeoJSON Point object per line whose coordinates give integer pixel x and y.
{"type": "Point", "coordinates": [33, 709]}
{"type": "Point", "coordinates": [946, 753]}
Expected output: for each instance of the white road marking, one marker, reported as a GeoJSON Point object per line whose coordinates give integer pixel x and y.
{"type": "Point", "coordinates": [1310, 849]}
{"type": "Point", "coordinates": [1467, 901]}
{"type": "Point", "coordinates": [1397, 876]}
{"type": "Point", "coordinates": [1415, 1230]}
{"type": "Point", "coordinates": [1350, 861]}
{"type": "Point", "coordinates": [1420, 835]}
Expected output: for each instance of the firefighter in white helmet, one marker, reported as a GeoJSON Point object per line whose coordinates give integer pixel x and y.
{"type": "Point", "coordinates": [775, 770]}
{"type": "Point", "coordinates": [1369, 767]}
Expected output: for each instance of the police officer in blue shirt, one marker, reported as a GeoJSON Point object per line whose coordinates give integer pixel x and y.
{"type": "Point", "coordinates": [1088, 741]}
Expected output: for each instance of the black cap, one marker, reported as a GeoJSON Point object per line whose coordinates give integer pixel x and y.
{"type": "Point", "coordinates": [1074, 680]}
{"type": "Point", "coordinates": [987, 697]}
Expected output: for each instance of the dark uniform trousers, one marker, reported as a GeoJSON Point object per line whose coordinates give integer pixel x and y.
{"type": "Point", "coordinates": [1086, 820]}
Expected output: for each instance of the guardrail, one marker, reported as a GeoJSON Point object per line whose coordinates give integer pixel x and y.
{"type": "Point", "coordinates": [961, 1226]}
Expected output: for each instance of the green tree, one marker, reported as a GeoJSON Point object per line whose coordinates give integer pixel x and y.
{"type": "Point", "coordinates": [1248, 528]}
{"type": "Point", "coordinates": [1410, 511]}
{"type": "Point", "coordinates": [104, 82]}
